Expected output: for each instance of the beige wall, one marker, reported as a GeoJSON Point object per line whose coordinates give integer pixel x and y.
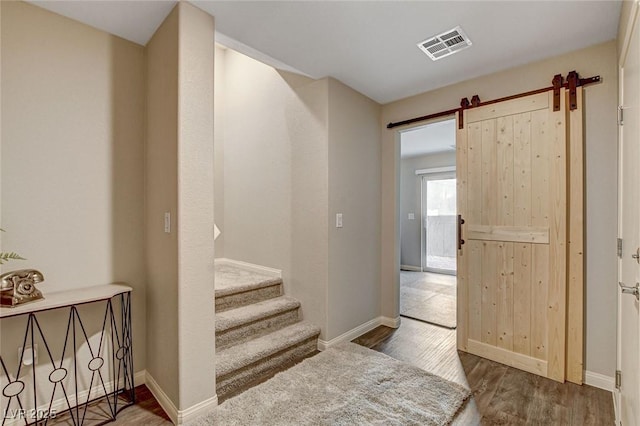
{"type": "Point", "coordinates": [601, 176]}
{"type": "Point", "coordinates": [309, 194]}
{"type": "Point", "coordinates": [411, 200]}
{"type": "Point", "coordinates": [72, 153]}
{"type": "Point", "coordinates": [257, 163]}
{"type": "Point", "coordinates": [311, 151]}
{"type": "Point", "coordinates": [179, 165]}
{"type": "Point", "coordinates": [264, 180]}
{"type": "Point", "coordinates": [354, 191]}
{"type": "Point", "coordinates": [73, 177]}
{"type": "Point", "coordinates": [196, 317]}
{"type": "Point", "coordinates": [218, 147]}
{"type": "Point", "coordinates": [162, 196]}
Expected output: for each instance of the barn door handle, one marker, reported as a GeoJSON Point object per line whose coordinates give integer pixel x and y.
{"type": "Point", "coordinates": [460, 240]}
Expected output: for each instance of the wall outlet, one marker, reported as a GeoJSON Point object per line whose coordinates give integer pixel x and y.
{"type": "Point", "coordinates": [338, 220]}
{"type": "Point", "coordinates": [412, 216]}
{"type": "Point", "coordinates": [30, 356]}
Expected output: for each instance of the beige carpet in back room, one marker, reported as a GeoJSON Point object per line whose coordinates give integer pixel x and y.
{"type": "Point", "coordinates": [428, 297]}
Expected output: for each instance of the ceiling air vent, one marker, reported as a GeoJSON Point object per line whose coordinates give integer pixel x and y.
{"type": "Point", "coordinates": [445, 44]}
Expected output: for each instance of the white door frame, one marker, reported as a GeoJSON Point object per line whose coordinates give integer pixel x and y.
{"type": "Point", "coordinates": [617, 397]}
{"type": "Point", "coordinates": [633, 18]}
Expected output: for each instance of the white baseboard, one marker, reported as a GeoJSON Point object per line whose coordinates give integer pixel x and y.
{"type": "Point", "coordinates": [179, 417]}
{"type": "Point", "coordinates": [250, 266]}
{"type": "Point", "coordinates": [391, 322]}
{"type": "Point", "coordinates": [358, 331]}
{"type": "Point", "coordinates": [205, 407]}
{"type": "Point", "coordinates": [410, 268]}
{"type": "Point", "coordinates": [140, 378]}
{"type": "Point", "coordinates": [162, 398]}
{"type": "Point", "coordinates": [60, 404]}
{"type": "Point", "coordinates": [598, 380]}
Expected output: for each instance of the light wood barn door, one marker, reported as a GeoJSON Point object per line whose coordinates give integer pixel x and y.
{"type": "Point", "coordinates": [512, 269]}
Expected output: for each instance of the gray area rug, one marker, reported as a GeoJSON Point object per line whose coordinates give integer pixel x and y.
{"type": "Point", "coordinates": [428, 297]}
{"type": "Point", "coordinates": [345, 385]}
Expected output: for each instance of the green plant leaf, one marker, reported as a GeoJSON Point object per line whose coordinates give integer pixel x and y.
{"type": "Point", "coordinates": [7, 256]}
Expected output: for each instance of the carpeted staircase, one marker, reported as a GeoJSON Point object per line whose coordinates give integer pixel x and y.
{"type": "Point", "coordinates": [258, 330]}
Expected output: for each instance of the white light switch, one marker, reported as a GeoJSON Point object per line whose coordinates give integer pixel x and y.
{"type": "Point", "coordinates": [338, 220]}
{"type": "Point", "coordinates": [167, 222]}
{"type": "Point", "coordinates": [412, 216]}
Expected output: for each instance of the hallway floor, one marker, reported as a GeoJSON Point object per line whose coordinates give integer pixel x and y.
{"type": "Point", "coordinates": [501, 395]}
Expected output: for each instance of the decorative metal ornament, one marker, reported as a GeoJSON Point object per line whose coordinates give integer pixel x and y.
{"type": "Point", "coordinates": [18, 287]}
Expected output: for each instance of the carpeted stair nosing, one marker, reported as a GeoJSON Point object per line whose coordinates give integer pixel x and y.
{"type": "Point", "coordinates": [236, 300]}
{"type": "Point", "coordinates": [239, 335]}
{"type": "Point", "coordinates": [239, 356]}
{"type": "Point", "coordinates": [248, 286]}
{"type": "Point", "coordinates": [245, 315]}
{"type": "Point", "coordinates": [253, 374]}
{"type": "Point", "coordinates": [238, 325]}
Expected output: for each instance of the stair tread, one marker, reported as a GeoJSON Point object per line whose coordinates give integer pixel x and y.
{"type": "Point", "coordinates": [238, 356]}
{"type": "Point", "coordinates": [232, 279]}
{"type": "Point", "coordinates": [254, 312]}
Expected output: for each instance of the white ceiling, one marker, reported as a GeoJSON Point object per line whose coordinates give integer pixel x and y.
{"type": "Point", "coordinates": [371, 45]}
{"type": "Point", "coordinates": [429, 139]}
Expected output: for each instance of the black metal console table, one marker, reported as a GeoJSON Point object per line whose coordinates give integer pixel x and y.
{"type": "Point", "coordinates": [64, 384]}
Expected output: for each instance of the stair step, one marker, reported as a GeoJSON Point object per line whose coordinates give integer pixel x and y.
{"type": "Point", "coordinates": [255, 359]}
{"type": "Point", "coordinates": [238, 325]}
{"type": "Point", "coordinates": [239, 356]}
{"type": "Point", "coordinates": [236, 286]}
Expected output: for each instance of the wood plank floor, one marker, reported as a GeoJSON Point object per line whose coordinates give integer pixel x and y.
{"type": "Point", "coordinates": [501, 395]}
{"type": "Point", "coordinates": [146, 412]}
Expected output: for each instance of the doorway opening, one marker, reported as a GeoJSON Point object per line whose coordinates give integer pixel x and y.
{"type": "Point", "coordinates": [428, 221]}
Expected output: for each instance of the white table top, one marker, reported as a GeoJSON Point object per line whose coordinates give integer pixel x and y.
{"type": "Point", "coordinates": [59, 299]}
